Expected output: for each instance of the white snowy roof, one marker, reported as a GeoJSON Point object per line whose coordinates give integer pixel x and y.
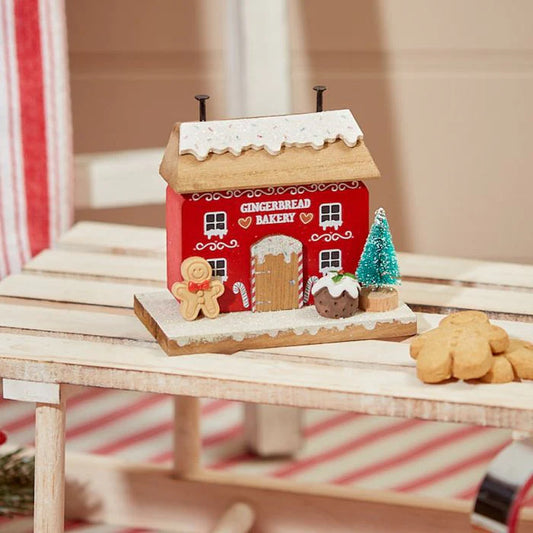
{"type": "Point", "coordinates": [236, 154]}
{"type": "Point", "coordinates": [268, 133]}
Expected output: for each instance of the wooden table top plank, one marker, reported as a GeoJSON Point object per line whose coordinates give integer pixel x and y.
{"type": "Point", "coordinates": [361, 354]}
{"type": "Point", "coordinates": [465, 270]}
{"type": "Point", "coordinates": [138, 240]}
{"type": "Point", "coordinates": [69, 322]}
{"type": "Point", "coordinates": [99, 265]}
{"type": "Point", "coordinates": [111, 327]}
{"type": "Point", "coordinates": [393, 391]}
{"type": "Point", "coordinates": [495, 300]}
{"type": "Point", "coordinates": [115, 238]}
{"type": "Point", "coordinates": [71, 290]}
{"type": "Point", "coordinates": [376, 352]}
{"type": "Point", "coordinates": [119, 293]}
{"type": "Point", "coordinates": [103, 283]}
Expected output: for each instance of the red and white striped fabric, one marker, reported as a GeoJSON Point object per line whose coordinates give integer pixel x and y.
{"type": "Point", "coordinates": [349, 449]}
{"type": "Point", "coordinates": [35, 131]}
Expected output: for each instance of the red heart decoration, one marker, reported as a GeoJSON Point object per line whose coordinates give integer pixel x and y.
{"type": "Point", "coordinates": [245, 222]}
{"type": "Point", "coordinates": [306, 217]}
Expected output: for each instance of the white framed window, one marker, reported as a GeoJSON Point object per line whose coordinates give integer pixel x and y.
{"type": "Point", "coordinates": [331, 216]}
{"type": "Point", "coordinates": [220, 268]}
{"type": "Point", "coordinates": [215, 224]}
{"type": "Point", "coordinates": [330, 260]}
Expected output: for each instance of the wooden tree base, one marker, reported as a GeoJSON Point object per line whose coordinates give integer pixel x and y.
{"type": "Point", "coordinates": [378, 300]}
{"type": "Point", "coordinates": [233, 332]}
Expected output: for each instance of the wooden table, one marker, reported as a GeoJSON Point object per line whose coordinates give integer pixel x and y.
{"type": "Point", "coordinates": [68, 320]}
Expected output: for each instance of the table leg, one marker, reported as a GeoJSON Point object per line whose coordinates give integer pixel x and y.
{"type": "Point", "coordinates": [187, 438]}
{"type": "Point", "coordinates": [272, 430]}
{"type": "Point", "coordinates": [49, 468]}
{"type": "Point", "coordinates": [49, 509]}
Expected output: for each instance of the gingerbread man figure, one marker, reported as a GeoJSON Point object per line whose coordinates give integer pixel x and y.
{"type": "Point", "coordinates": [197, 292]}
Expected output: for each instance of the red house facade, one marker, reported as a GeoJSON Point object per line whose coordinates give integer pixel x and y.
{"type": "Point", "coordinates": [271, 203]}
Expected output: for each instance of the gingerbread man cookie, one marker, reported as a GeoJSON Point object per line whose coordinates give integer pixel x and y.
{"type": "Point", "coordinates": [461, 347]}
{"type": "Point", "coordinates": [197, 292]}
{"type": "Point", "coordinates": [500, 372]}
{"type": "Point", "coordinates": [515, 362]}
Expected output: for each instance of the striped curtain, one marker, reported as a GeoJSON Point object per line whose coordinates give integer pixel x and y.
{"type": "Point", "coordinates": [35, 135]}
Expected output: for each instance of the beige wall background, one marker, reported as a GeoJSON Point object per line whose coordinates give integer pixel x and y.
{"type": "Point", "coordinates": [442, 90]}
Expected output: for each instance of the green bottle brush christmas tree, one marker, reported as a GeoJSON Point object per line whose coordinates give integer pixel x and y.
{"type": "Point", "coordinates": [378, 270]}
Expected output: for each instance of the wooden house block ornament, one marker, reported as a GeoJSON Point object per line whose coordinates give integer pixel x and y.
{"type": "Point", "coordinates": [272, 204]}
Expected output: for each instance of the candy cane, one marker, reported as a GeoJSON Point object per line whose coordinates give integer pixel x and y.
{"type": "Point", "coordinates": [253, 285]}
{"type": "Point", "coordinates": [308, 286]}
{"type": "Point", "coordinates": [300, 279]}
{"type": "Point", "coordinates": [238, 287]}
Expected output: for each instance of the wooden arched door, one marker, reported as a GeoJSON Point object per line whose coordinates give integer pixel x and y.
{"type": "Point", "coordinates": [277, 273]}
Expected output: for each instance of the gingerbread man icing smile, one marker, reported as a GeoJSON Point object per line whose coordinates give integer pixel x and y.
{"type": "Point", "coordinates": [198, 291]}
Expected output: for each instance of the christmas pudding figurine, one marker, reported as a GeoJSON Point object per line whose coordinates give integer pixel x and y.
{"type": "Point", "coordinates": [336, 295]}
{"type": "Point", "coordinates": [378, 270]}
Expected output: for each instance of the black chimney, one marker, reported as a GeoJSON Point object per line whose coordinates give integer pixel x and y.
{"type": "Point", "coordinates": [202, 98]}
{"type": "Point", "coordinates": [319, 98]}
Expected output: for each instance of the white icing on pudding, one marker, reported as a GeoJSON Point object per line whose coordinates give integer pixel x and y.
{"type": "Point", "coordinates": [347, 283]}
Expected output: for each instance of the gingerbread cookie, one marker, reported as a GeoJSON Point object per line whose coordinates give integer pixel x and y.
{"type": "Point", "coordinates": [462, 346]}
{"type": "Point", "coordinates": [520, 355]}
{"type": "Point", "coordinates": [198, 292]}
{"type": "Point", "coordinates": [500, 372]}
{"type": "Point", "coordinates": [518, 363]}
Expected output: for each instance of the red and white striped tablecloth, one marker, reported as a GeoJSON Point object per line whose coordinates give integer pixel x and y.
{"type": "Point", "coordinates": [434, 459]}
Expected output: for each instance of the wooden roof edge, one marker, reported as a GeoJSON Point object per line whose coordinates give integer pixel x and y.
{"type": "Point", "coordinates": [291, 183]}
{"type": "Point", "coordinates": [168, 168]}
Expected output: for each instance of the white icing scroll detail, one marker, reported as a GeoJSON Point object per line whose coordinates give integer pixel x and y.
{"type": "Point", "coordinates": [291, 189]}
{"type": "Point", "coordinates": [268, 133]}
{"type": "Point", "coordinates": [238, 287]}
{"type": "Point", "coordinates": [308, 287]}
{"type": "Point", "coordinates": [328, 237]}
{"type": "Point", "coordinates": [276, 245]}
{"type": "Point", "coordinates": [216, 245]}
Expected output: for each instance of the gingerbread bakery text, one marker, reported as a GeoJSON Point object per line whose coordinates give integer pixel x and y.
{"type": "Point", "coordinates": [275, 218]}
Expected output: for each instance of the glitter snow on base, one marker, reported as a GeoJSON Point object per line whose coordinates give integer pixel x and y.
{"type": "Point", "coordinates": [246, 324]}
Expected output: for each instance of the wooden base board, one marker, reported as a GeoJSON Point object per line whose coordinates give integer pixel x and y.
{"type": "Point", "coordinates": [232, 332]}
{"type": "Point", "coordinates": [104, 489]}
